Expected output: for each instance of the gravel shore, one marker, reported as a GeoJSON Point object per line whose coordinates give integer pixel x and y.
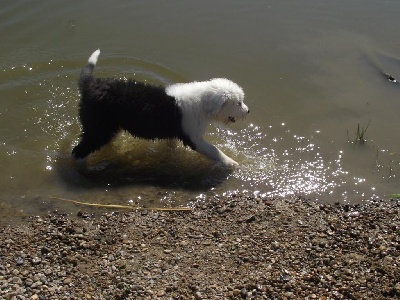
{"type": "Point", "coordinates": [236, 247]}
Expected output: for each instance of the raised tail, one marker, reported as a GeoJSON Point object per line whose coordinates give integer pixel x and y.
{"type": "Point", "coordinates": [86, 73]}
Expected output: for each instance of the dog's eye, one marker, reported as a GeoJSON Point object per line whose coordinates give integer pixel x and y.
{"type": "Point", "coordinates": [239, 103]}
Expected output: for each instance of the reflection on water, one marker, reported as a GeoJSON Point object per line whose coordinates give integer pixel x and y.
{"type": "Point", "coordinates": [311, 73]}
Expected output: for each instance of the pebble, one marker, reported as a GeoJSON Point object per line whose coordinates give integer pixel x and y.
{"type": "Point", "coordinates": [28, 282]}
{"type": "Point", "coordinates": [36, 260]}
{"type": "Point", "coordinates": [236, 292]}
{"type": "Point", "coordinates": [20, 261]}
{"type": "Point", "coordinates": [16, 280]}
{"type": "Point", "coordinates": [198, 295]}
{"type": "Point", "coordinates": [243, 293]}
{"type": "Point", "coordinates": [67, 280]}
{"type": "Point", "coordinates": [36, 284]}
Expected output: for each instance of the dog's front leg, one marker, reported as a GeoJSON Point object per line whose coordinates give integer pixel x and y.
{"type": "Point", "coordinates": [214, 153]}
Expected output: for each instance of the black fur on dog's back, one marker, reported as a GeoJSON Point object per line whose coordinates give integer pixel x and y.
{"type": "Point", "coordinates": [143, 110]}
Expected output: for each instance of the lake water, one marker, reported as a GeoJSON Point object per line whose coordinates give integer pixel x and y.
{"type": "Point", "coordinates": [312, 71]}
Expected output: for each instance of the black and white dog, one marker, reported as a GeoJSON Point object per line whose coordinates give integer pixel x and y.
{"type": "Point", "coordinates": [179, 111]}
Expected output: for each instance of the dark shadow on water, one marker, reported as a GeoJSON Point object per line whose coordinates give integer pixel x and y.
{"type": "Point", "coordinates": [171, 169]}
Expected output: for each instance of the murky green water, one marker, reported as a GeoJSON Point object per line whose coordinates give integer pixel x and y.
{"type": "Point", "coordinates": [311, 70]}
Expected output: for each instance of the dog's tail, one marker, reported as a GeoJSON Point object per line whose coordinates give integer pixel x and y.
{"type": "Point", "coordinates": [86, 73]}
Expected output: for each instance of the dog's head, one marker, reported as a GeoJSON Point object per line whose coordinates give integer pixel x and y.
{"type": "Point", "coordinates": [224, 101]}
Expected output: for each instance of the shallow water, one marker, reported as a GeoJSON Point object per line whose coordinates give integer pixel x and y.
{"type": "Point", "coordinates": [312, 70]}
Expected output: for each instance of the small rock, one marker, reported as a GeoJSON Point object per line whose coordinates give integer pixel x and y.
{"type": "Point", "coordinates": [45, 250]}
{"type": "Point", "coordinates": [36, 260]}
{"type": "Point", "coordinates": [28, 282]}
{"type": "Point", "coordinates": [198, 295]}
{"type": "Point", "coordinates": [269, 203]}
{"type": "Point", "coordinates": [229, 294]}
{"type": "Point", "coordinates": [285, 277]}
{"type": "Point", "coordinates": [250, 219]}
{"type": "Point", "coordinates": [243, 293]}
{"type": "Point", "coordinates": [236, 292]}
{"type": "Point", "coordinates": [47, 272]}
{"type": "Point", "coordinates": [275, 245]}
{"type": "Point", "coordinates": [354, 214]}
{"type": "Point", "coordinates": [36, 284]}
{"type": "Point", "coordinates": [16, 280]}
{"type": "Point", "coordinates": [20, 261]}
{"type": "Point", "coordinates": [150, 292]}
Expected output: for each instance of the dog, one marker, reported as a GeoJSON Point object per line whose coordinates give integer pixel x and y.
{"type": "Point", "coordinates": [179, 111]}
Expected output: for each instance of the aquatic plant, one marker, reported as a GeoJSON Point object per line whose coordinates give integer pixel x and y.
{"type": "Point", "coordinates": [360, 134]}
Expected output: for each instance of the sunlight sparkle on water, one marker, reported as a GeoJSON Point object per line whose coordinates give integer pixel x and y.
{"type": "Point", "coordinates": [299, 168]}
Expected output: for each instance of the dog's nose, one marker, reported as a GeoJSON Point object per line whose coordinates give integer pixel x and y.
{"type": "Point", "coordinates": [248, 111]}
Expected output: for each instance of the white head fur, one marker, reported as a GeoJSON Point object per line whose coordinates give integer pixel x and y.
{"type": "Point", "coordinates": [217, 99]}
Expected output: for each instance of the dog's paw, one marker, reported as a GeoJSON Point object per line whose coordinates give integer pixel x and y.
{"type": "Point", "coordinates": [228, 163]}
{"type": "Point", "coordinates": [233, 164]}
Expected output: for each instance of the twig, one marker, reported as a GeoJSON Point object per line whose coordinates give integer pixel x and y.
{"type": "Point", "coordinates": [122, 206]}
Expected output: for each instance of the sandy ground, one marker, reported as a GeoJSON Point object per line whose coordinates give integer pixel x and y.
{"type": "Point", "coordinates": [236, 247]}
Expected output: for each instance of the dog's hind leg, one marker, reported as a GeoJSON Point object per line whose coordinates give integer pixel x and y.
{"type": "Point", "coordinates": [91, 142]}
{"type": "Point", "coordinates": [214, 153]}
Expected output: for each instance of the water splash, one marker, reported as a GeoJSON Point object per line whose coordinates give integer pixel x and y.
{"type": "Point", "coordinates": [280, 163]}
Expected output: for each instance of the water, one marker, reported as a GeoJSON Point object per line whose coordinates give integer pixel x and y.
{"type": "Point", "coordinates": [312, 70]}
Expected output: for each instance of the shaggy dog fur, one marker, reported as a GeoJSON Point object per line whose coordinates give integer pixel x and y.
{"type": "Point", "coordinates": [179, 111]}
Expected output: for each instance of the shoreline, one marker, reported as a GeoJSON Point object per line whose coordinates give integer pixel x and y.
{"type": "Point", "coordinates": [233, 247]}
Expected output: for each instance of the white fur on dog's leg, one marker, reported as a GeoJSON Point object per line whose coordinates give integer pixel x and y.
{"type": "Point", "coordinates": [214, 153]}
{"type": "Point", "coordinates": [229, 166]}
{"type": "Point", "coordinates": [230, 163]}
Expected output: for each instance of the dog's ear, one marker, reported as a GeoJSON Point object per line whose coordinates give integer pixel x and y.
{"type": "Point", "coordinates": [213, 102]}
